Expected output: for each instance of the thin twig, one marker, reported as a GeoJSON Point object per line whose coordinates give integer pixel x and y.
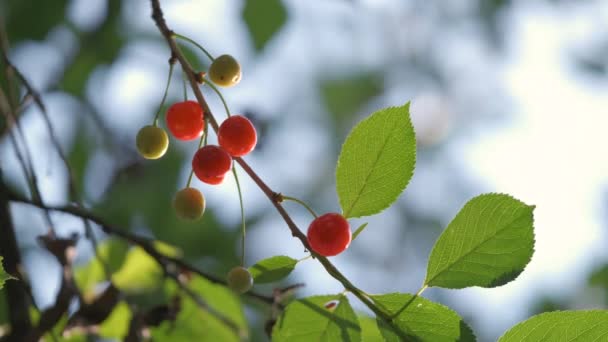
{"type": "Point", "coordinates": [144, 243]}
{"type": "Point", "coordinates": [55, 141]}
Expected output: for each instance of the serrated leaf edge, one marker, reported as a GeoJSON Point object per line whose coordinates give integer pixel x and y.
{"type": "Point", "coordinates": [427, 282]}
{"type": "Point", "coordinates": [410, 175]}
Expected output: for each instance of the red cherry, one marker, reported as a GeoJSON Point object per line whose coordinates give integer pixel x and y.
{"type": "Point", "coordinates": [211, 163]}
{"type": "Point", "coordinates": [212, 180]}
{"type": "Point", "coordinates": [185, 120]}
{"type": "Point", "coordinates": [329, 234]}
{"type": "Point", "coordinates": [237, 136]}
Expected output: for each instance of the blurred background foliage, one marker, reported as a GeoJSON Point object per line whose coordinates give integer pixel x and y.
{"type": "Point", "coordinates": [312, 69]}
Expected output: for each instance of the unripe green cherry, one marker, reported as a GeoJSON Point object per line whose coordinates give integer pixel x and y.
{"type": "Point", "coordinates": [225, 71]}
{"type": "Point", "coordinates": [189, 204]}
{"type": "Point", "coordinates": [152, 142]}
{"type": "Point", "coordinates": [239, 279]}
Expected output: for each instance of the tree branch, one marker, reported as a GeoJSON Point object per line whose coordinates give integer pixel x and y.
{"type": "Point", "coordinates": [146, 244]}
{"type": "Point", "coordinates": [158, 17]}
{"type": "Point", "coordinates": [15, 290]}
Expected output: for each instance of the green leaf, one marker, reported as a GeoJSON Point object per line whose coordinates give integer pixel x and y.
{"type": "Point", "coordinates": [113, 252]}
{"type": "Point", "coordinates": [264, 18]}
{"type": "Point", "coordinates": [140, 272]}
{"type": "Point", "coordinates": [3, 275]}
{"type": "Point", "coordinates": [369, 329]}
{"type": "Point", "coordinates": [117, 324]}
{"type": "Point", "coordinates": [30, 19]}
{"type": "Point", "coordinates": [79, 155]}
{"type": "Point", "coordinates": [569, 326]}
{"type": "Point", "coordinates": [376, 162]}
{"type": "Point", "coordinates": [196, 324]}
{"type": "Point", "coordinates": [421, 319]}
{"type": "Point", "coordinates": [488, 244]}
{"type": "Point", "coordinates": [345, 97]}
{"type": "Point", "coordinates": [308, 319]}
{"type": "Point", "coordinates": [272, 269]}
{"type": "Point", "coordinates": [599, 277]}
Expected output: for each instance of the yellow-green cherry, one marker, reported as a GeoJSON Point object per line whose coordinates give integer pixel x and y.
{"type": "Point", "coordinates": [152, 142]}
{"type": "Point", "coordinates": [225, 71]}
{"type": "Point", "coordinates": [189, 204]}
{"type": "Point", "coordinates": [239, 279]}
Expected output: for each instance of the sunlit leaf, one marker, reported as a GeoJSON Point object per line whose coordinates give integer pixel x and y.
{"type": "Point", "coordinates": [421, 320]}
{"type": "Point", "coordinates": [117, 324]}
{"type": "Point", "coordinates": [112, 252]}
{"type": "Point", "coordinates": [196, 324]}
{"type": "Point", "coordinates": [140, 272]}
{"type": "Point", "coordinates": [272, 269]}
{"type": "Point", "coordinates": [3, 275]}
{"type": "Point", "coordinates": [369, 329]}
{"type": "Point", "coordinates": [488, 244]}
{"type": "Point", "coordinates": [572, 326]}
{"type": "Point", "coordinates": [310, 319]}
{"type": "Point", "coordinates": [376, 162]}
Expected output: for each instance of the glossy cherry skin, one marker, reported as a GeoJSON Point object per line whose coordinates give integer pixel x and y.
{"type": "Point", "coordinates": [185, 120]}
{"type": "Point", "coordinates": [329, 234]}
{"type": "Point", "coordinates": [152, 142]}
{"type": "Point", "coordinates": [225, 71]}
{"type": "Point", "coordinates": [237, 136]}
{"type": "Point", "coordinates": [211, 163]}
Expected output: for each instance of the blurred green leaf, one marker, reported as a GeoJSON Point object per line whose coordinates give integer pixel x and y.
{"type": "Point", "coordinates": [272, 269]}
{"type": "Point", "coordinates": [140, 272]}
{"type": "Point", "coordinates": [421, 319]}
{"type": "Point", "coordinates": [369, 329]}
{"type": "Point", "coordinates": [98, 47]}
{"type": "Point", "coordinates": [599, 277]}
{"type": "Point", "coordinates": [196, 324]}
{"type": "Point", "coordinates": [113, 252]}
{"type": "Point", "coordinates": [573, 326]}
{"type": "Point", "coordinates": [79, 156]}
{"type": "Point", "coordinates": [32, 19]}
{"type": "Point", "coordinates": [3, 275]}
{"type": "Point", "coordinates": [345, 97]}
{"type": "Point", "coordinates": [376, 162]}
{"type": "Point", "coordinates": [117, 324]}
{"type": "Point", "coordinates": [547, 304]}
{"type": "Point", "coordinates": [56, 333]}
{"type": "Point", "coordinates": [264, 18]}
{"type": "Point", "coordinates": [488, 244]}
{"type": "Point", "coordinates": [308, 319]}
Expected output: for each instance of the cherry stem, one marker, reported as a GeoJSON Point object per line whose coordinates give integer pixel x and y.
{"type": "Point", "coordinates": [302, 203]}
{"type": "Point", "coordinates": [243, 230]}
{"type": "Point", "coordinates": [176, 35]}
{"type": "Point", "coordinates": [359, 230]}
{"type": "Point", "coordinates": [219, 93]}
{"type": "Point", "coordinates": [185, 87]}
{"type": "Point", "coordinates": [162, 102]}
{"type": "Point", "coordinates": [306, 257]}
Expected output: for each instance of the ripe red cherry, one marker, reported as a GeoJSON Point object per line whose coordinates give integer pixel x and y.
{"type": "Point", "coordinates": [237, 136]}
{"type": "Point", "coordinates": [211, 163]}
{"type": "Point", "coordinates": [185, 120]}
{"type": "Point", "coordinates": [329, 234]}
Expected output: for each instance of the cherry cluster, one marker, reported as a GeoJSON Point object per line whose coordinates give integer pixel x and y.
{"type": "Point", "coordinates": [328, 235]}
